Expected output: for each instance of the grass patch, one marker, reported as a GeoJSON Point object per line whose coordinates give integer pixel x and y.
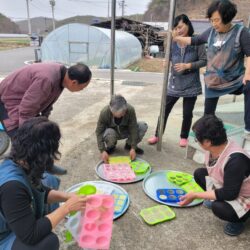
{"type": "Point", "coordinates": [12, 43]}
{"type": "Point", "coordinates": [147, 65]}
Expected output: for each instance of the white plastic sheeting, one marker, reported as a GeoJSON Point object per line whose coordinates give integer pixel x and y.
{"type": "Point", "coordinates": [76, 42]}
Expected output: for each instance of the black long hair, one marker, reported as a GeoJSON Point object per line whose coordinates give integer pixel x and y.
{"type": "Point", "coordinates": [184, 18]}
{"type": "Point", "coordinates": [35, 147]}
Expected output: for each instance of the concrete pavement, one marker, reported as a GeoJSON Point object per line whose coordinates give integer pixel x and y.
{"type": "Point", "coordinates": [193, 228]}
{"type": "Point", "coordinates": [77, 114]}
{"type": "Point", "coordinates": [13, 59]}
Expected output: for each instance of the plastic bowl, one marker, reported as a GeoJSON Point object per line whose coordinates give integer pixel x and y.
{"type": "Point", "coordinates": [87, 190]}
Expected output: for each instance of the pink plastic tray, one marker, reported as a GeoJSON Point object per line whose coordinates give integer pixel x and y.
{"type": "Point", "coordinates": [97, 222]}
{"type": "Point", "coordinates": [118, 172]}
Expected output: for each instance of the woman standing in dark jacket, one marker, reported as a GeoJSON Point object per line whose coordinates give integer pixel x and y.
{"type": "Point", "coordinates": [228, 45]}
{"type": "Point", "coordinates": [184, 79]}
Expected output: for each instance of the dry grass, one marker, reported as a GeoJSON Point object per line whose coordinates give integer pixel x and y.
{"type": "Point", "coordinates": [151, 65]}
{"type": "Point", "coordinates": [148, 65]}
{"type": "Point", "coordinates": [12, 43]}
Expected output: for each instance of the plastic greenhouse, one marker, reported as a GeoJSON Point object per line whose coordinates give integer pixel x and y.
{"type": "Point", "coordinates": [76, 42]}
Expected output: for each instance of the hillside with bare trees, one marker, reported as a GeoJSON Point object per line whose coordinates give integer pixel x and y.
{"type": "Point", "coordinates": [158, 9]}
{"type": "Point", "coordinates": [7, 26]}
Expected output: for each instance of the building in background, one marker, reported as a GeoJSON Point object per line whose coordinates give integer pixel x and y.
{"type": "Point", "coordinates": [147, 34]}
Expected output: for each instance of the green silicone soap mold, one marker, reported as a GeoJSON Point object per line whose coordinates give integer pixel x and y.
{"type": "Point", "coordinates": [179, 178]}
{"type": "Point", "coordinates": [139, 167]}
{"type": "Point", "coordinates": [157, 214]}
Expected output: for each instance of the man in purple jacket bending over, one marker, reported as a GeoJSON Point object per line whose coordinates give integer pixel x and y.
{"type": "Point", "coordinates": [32, 90]}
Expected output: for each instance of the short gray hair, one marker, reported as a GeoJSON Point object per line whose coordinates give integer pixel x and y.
{"type": "Point", "coordinates": [118, 104]}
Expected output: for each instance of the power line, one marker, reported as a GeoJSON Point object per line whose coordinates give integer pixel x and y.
{"type": "Point", "coordinates": [87, 1]}
{"type": "Point", "coordinates": [122, 5]}
{"type": "Point", "coordinates": [41, 3]}
{"type": "Point", "coordinates": [44, 7]}
{"type": "Point", "coordinates": [39, 8]}
{"type": "Point", "coordinates": [56, 8]}
{"type": "Point", "coordinates": [95, 3]}
{"type": "Point", "coordinates": [17, 18]}
{"type": "Point", "coordinates": [132, 9]}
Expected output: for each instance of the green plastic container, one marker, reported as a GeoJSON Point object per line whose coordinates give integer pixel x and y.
{"type": "Point", "coordinates": [192, 187]}
{"type": "Point", "coordinates": [68, 236]}
{"type": "Point", "coordinates": [87, 190]}
{"type": "Point", "coordinates": [179, 178]}
{"type": "Point", "coordinates": [139, 167]}
{"type": "Point", "coordinates": [157, 214]}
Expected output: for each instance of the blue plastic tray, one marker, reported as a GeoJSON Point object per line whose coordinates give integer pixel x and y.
{"type": "Point", "coordinates": [158, 180]}
{"type": "Point", "coordinates": [170, 194]}
{"type": "Point", "coordinates": [120, 202]}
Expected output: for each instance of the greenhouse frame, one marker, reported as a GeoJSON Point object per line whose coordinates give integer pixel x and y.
{"type": "Point", "coordinates": [72, 43]}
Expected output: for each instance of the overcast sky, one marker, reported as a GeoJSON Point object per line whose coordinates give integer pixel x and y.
{"type": "Point", "coordinates": [17, 9]}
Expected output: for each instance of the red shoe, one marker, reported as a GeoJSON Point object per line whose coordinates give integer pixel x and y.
{"type": "Point", "coordinates": [153, 140]}
{"type": "Point", "coordinates": [183, 142]}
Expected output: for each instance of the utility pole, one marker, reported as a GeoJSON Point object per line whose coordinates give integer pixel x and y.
{"type": "Point", "coordinates": [53, 3]}
{"type": "Point", "coordinates": [112, 61]}
{"type": "Point", "coordinates": [28, 16]}
{"type": "Point", "coordinates": [166, 75]}
{"type": "Point", "coordinates": [108, 8]}
{"type": "Point", "coordinates": [45, 25]}
{"type": "Point", "coordinates": [122, 6]}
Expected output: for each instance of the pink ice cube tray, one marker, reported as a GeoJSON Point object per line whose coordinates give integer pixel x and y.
{"type": "Point", "coordinates": [118, 172]}
{"type": "Point", "coordinates": [97, 222]}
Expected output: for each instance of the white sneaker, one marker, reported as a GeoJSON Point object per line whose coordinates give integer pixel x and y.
{"type": "Point", "coordinates": [246, 132]}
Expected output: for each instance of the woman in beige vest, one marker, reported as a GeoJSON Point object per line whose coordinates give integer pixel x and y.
{"type": "Point", "coordinates": [226, 177]}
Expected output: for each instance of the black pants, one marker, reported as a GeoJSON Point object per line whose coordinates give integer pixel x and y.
{"type": "Point", "coordinates": [221, 209]}
{"type": "Point", "coordinates": [247, 105]}
{"type": "Point", "coordinates": [188, 107]}
{"type": "Point", "coordinates": [3, 116]}
{"type": "Point", "coordinates": [50, 242]}
{"type": "Point", "coordinates": [211, 104]}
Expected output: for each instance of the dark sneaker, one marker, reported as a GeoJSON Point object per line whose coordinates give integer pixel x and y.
{"type": "Point", "coordinates": [207, 204]}
{"type": "Point", "coordinates": [127, 147]}
{"type": "Point", "coordinates": [57, 170]}
{"type": "Point", "coordinates": [110, 150]}
{"type": "Point", "coordinates": [233, 228]}
{"type": "Point", "coordinates": [139, 151]}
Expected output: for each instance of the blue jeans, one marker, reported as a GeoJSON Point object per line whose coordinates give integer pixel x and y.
{"type": "Point", "coordinates": [52, 182]}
